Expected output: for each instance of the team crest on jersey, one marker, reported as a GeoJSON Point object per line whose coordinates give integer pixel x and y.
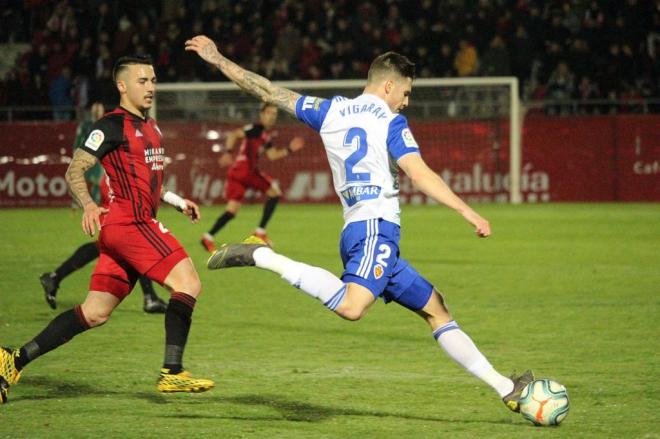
{"type": "Point", "coordinates": [378, 271]}
{"type": "Point", "coordinates": [94, 140]}
{"type": "Point", "coordinates": [408, 138]}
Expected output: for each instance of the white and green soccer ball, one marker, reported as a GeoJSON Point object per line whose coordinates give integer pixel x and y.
{"type": "Point", "coordinates": [544, 402]}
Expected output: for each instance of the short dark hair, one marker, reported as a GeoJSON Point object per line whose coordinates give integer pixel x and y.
{"type": "Point", "coordinates": [124, 61]}
{"type": "Point", "coordinates": [394, 62]}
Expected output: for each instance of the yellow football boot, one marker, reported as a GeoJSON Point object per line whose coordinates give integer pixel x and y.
{"type": "Point", "coordinates": [9, 375]}
{"type": "Point", "coordinates": [182, 382]}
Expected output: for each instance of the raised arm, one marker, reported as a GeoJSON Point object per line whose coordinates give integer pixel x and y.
{"type": "Point", "coordinates": [249, 81]}
{"type": "Point", "coordinates": [427, 181]}
{"type": "Point", "coordinates": [75, 178]}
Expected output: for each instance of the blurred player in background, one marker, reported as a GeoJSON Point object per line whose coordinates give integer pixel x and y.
{"type": "Point", "coordinates": [364, 137]}
{"type": "Point", "coordinates": [95, 174]}
{"type": "Point", "coordinates": [131, 241]}
{"type": "Point", "coordinates": [86, 253]}
{"type": "Point", "coordinates": [244, 172]}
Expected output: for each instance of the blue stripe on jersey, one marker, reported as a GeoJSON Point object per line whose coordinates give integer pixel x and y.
{"type": "Point", "coordinates": [312, 110]}
{"type": "Point", "coordinates": [450, 326]}
{"type": "Point", "coordinates": [335, 300]}
{"type": "Point", "coordinates": [400, 140]}
{"type": "Point", "coordinates": [369, 248]}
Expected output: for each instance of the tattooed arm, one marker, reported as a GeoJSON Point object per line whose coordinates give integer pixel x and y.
{"type": "Point", "coordinates": [249, 81]}
{"type": "Point", "coordinates": [75, 178]}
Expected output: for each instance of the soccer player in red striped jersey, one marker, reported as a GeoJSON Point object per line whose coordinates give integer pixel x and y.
{"type": "Point", "coordinates": [244, 172]}
{"type": "Point", "coordinates": [132, 242]}
{"type": "Point", "coordinates": [88, 252]}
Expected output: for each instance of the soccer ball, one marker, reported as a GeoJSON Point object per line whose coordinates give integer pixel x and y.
{"type": "Point", "coordinates": [544, 402]}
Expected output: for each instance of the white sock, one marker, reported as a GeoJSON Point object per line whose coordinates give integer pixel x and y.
{"type": "Point", "coordinates": [462, 349]}
{"type": "Point", "coordinates": [315, 281]}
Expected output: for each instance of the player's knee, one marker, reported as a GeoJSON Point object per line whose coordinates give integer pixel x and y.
{"type": "Point", "coordinates": [96, 318]}
{"type": "Point", "coordinates": [351, 313]}
{"type": "Point", "coordinates": [193, 285]}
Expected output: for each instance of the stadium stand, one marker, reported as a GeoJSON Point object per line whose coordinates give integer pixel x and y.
{"type": "Point", "coordinates": [560, 51]}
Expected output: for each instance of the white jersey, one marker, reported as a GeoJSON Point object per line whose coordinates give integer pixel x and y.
{"type": "Point", "coordinates": [363, 140]}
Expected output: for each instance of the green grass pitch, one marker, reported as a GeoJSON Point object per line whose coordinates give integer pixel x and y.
{"type": "Point", "coordinates": [570, 290]}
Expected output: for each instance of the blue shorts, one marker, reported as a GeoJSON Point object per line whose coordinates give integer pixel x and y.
{"type": "Point", "coordinates": [370, 254]}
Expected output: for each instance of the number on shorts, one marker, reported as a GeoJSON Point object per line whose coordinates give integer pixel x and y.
{"type": "Point", "coordinates": [385, 252]}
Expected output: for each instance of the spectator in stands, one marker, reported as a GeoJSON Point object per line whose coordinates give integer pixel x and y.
{"type": "Point", "coordinates": [104, 20]}
{"type": "Point", "coordinates": [347, 35]}
{"type": "Point", "coordinates": [123, 36]}
{"type": "Point", "coordinates": [560, 89]}
{"type": "Point", "coordinates": [578, 58]}
{"type": "Point", "coordinates": [38, 61]}
{"type": "Point", "coordinates": [611, 82]}
{"type": "Point", "coordinates": [522, 55]}
{"type": "Point", "coordinates": [85, 62]}
{"type": "Point", "coordinates": [57, 60]}
{"type": "Point", "coordinates": [496, 60]}
{"type": "Point", "coordinates": [466, 60]}
{"type": "Point", "coordinates": [60, 95]}
{"type": "Point", "coordinates": [444, 66]}
{"type": "Point", "coordinates": [587, 90]}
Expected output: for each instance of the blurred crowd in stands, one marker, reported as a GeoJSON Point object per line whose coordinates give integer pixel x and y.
{"type": "Point", "coordinates": [560, 50]}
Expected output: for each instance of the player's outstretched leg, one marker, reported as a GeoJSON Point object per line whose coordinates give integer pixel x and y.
{"type": "Point", "coordinates": [314, 281]}
{"type": "Point", "coordinates": [460, 347]}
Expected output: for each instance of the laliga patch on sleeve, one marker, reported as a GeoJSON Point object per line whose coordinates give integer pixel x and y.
{"type": "Point", "coordinates": [308, 103]}
{"type": "Point", "coordinates": [408, 138]}
{"type": "Point", "coordinates": [94, 140]}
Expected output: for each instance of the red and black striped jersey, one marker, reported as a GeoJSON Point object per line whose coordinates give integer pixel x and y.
{"type": "Point", "coordinates": [131, 152]}
{"type": "Point", "coordinates": [256, 141]}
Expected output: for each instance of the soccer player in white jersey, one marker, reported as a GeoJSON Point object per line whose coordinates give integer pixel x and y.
{"type": "Point", "coordinates": [365, 138]}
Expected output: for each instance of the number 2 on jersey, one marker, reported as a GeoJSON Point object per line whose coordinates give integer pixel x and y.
{"type": "Point", "coordinates": [353, 159]}
{"type": "Point", "coordinates": [385, 252]}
